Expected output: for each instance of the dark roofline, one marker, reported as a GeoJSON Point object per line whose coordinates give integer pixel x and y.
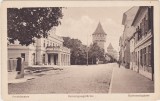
{"type": "Point", "coordinates": [124, 14]}
{"type": "Point", "coordinates": [99, 26]}
{"type": "Point", "coordinates": [124, 18]}
{"type": "Point", "coordinates": [136, 16]}
{"type": "Point", "coordinates": [110, 46]}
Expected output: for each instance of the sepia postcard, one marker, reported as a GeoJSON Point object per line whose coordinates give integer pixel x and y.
{"type": "Point", "coordinates": [80, 50]}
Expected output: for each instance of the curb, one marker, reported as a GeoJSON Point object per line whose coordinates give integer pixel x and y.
{"type": "Point", "coordinates": [25, 79]}
{"type": "Point", "coordinates": [110, 87]}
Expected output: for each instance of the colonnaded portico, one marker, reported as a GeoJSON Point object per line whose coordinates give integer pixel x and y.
{"type": "Point", "coordinates": [57, 56]}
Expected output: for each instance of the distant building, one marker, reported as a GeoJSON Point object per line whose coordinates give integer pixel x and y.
{"type": "Point", "coordinates": [45, 51]}
{"type": "Point", "coordinates": [110, 49]}
{"type": "Point", "coordinates": [99, 36]}
{"type": "Point", "coordinates": [132, 53]}
{"type": "Point", "coordinates": [112, 52]}
{"type": "Point", "coordinates": [143, 39]}
{"type": "Point", "coordinates": [121, 52]}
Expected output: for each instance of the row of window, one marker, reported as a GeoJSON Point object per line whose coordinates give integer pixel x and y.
{"type": "Point", "coordinates": [49, 43]}
{"type": "Point", "coordinates": [101, 35]}
{"type": "Point", "coordinates": [145, 26]}
{"type": "Point", "coordinates": [143, 57]}
{"type": "Point", "coordinates": [100, 38]}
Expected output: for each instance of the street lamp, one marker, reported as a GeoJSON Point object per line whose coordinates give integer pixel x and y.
{"type": "Point", "coordinates": [87, 49]}
{"type": "Point", "coordinates": [87, 54]}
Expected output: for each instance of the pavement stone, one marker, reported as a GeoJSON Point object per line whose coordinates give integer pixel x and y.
{"type": "Point", "coordinates": [72, 79]}
{"type": "Point", "coordinates": [129, 81]}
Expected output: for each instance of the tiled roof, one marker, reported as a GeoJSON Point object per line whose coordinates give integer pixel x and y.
{"type": "Point", "coordinates": [99, 30]}
{"type": "Point", "coordinates": [110, 46]}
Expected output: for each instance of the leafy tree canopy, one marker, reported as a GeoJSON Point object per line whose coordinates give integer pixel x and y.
{"type": "Point", "coordinates": [95, 52]}
{"type": "Point", "coordinates": [79, 51]}
{"type": "Point", "coordinates": [26, 24]}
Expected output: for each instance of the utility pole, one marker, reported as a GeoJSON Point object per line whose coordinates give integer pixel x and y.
{"type": "Point", "coordinates": [87, 49]}
{"type": "Point", "coordinates": [87, 55]}
{"type": "Point", "coordinates": [152, 40]}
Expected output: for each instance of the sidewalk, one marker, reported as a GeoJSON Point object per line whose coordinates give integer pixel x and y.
{"type": "Point", "coordinates": [31, 73]}
{"type": "Point", "coordinates": [128, 81]}
{"type": "Point", "coordinates": [21, 80]}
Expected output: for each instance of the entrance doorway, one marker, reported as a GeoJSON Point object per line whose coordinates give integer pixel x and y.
{"type": "Point", "coordinates": [55, 59]}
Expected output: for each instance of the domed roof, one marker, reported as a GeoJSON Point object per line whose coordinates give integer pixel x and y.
{"type": "Point", "coordinates": [99, 30]}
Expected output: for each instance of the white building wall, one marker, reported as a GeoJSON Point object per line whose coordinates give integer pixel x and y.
{"type": "Point", "coordinates": [132, 53]}
{"type": "Point", "coordinates": [12, 53]}
{"type": "Point", "coordinates": [38, 48]}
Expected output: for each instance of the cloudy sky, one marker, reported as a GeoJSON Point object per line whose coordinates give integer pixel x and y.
{"type": "Point", "coordinates": [80, 22]}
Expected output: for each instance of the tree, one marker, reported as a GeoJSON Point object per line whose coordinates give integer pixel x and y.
{"type": "Point", "coordinates": [95, 52]}
{"type": "Point", "coordinates": [26, 24]}
{"type": "Point", "coordinates": [112, 59]}
{"type": "Point", "coordinates": [78, 50]}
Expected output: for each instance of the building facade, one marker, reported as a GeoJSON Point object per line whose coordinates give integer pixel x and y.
{"type": "Point", "coordinates": [136, 43]}
{"type": "Point", "coordinates": [45, 51]}
{"type": "Point", "coordinates": [112, 52]}
{"type": "Point", "coordinates": [132, 53]}
{"type": "Point", "coordinates": [99, 36]}
{"type": "Point", "coordinates": [121, 52]}
{"type": "Point", "coordinates": [144, 50]}
{"type": "Point", "coordinates": [127, 20]}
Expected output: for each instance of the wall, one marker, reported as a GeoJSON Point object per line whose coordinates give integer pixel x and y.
{"type": "Point", "coordinates": [12, 53]}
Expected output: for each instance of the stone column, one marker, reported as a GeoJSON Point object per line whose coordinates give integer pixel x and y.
{"type": "Point", "coordinates": [66, 59]}
{"type": "Point", "coordinates": [46, 59]}
{"type": "Point", "coordinates": [59, 58]}
{"type": "Point", "coordinates": [62, 60]}
{"type": "Point", "coordinates": [53, 59]}
{"type": "Point", "coordinates": [69, 59]}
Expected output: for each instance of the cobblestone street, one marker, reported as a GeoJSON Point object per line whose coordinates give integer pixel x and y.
{"type": "Point", "coordinates": [72, 79]}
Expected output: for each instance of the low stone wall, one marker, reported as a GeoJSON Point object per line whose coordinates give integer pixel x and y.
{"type": "Point", "coordinates": [12, 65]}
{"type": "Point", "coordinates": [15, 68]}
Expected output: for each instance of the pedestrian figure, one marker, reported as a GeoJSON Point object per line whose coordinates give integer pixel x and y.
{"type": "Point", "coordinates": [97, 61]}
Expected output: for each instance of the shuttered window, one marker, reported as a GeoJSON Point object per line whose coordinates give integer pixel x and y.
{"type": "Point", "coordinates": [144, 50]}
{"type": "Point", "coordinates": [23, 56]}
{"type": "Point", "coordinates": [141, 57]}
{"type": "Point", "coordinates": [149, 55]}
